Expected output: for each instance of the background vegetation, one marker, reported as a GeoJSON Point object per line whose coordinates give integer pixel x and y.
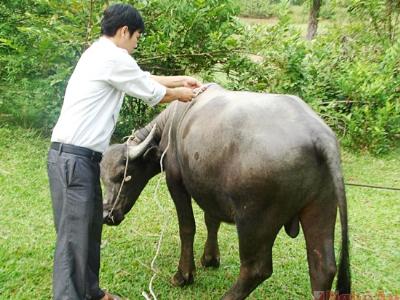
{"type": "Point", "coordinates": [350, 73]}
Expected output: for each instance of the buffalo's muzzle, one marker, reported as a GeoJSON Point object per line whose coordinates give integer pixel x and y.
{"type": "Point", "coordinates": [112, 219]}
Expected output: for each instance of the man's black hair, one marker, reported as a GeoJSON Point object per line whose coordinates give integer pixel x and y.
{"type": "Point", "coordinates": [120, 15]}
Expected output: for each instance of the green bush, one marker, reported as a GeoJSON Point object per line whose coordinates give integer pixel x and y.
{"type": "Point", "coordinates": [188, 38]}
{"type": "Point", "coordinates": [350, 74]}
{"type": "Point", "coordinates": [361, 80]}
{"type": "Point", "coordinates": [41, 41]}
{"type": "Point", "coordinates": [328, 10]}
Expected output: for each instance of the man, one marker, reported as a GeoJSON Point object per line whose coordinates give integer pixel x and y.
{"type": "Point", "coordinates": [92, 101]}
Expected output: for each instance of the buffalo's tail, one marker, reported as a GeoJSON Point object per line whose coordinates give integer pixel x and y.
{"type": "Point", "coordinates": [343, 285]}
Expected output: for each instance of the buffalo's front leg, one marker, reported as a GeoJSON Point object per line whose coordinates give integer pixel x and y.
{"type": "Point", "coordinates": [210, 256]}
{"type": "Point", "coordinates": [187, 229]}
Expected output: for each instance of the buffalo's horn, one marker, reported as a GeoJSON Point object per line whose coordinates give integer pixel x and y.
{"type": "Point", "coordinates": [137, 150]}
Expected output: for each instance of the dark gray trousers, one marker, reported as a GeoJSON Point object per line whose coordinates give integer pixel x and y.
{"type": "Point", "coordinates": [77, 207]}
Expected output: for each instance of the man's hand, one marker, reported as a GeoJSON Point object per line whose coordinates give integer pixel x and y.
{"type": "Point", "coordinates": [183, 94]}
{"type": "Point", "coordinates": [190, 82]}
{"type": "Point", "coordinates": [178, 87]}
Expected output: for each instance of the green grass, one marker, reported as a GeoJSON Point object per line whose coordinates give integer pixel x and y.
{"type": "Point", "coordinates": [27, 235]}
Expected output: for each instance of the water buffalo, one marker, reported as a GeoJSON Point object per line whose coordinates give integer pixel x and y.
{"type": "Point", "coordinates": [260, 161]}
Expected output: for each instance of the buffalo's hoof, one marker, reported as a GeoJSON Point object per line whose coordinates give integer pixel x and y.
{"type": "Point", "coordinates": [180, 279]}
{"type": "Point", "coordinates": [210, 261]}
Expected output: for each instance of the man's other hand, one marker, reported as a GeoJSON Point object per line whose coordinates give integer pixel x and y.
{"type": "Point", "coordinates": [190, 82]}
{"type": "Point", "coordinates": [185, 94]}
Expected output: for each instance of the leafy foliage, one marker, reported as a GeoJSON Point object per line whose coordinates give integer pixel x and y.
{"type": "Point", "coordinates": [39, 45]}
{"type": "Point", "coordinates": [35, 63]}
{"type": "Point", "coordinates": [359, 81]}
{"type": "Point", "coordinates": [350, 74]}
{"type": "Point", "coordinates": [182, 37]}
{"type": "Point", "coordinates": [383, 16]}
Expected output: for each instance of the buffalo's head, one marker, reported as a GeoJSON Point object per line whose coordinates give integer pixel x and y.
{"type": "Point", "coordinates": [141, 161]}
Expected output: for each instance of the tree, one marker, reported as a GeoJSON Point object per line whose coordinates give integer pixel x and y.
{"type": "Point", "coordinates": [313, 19]}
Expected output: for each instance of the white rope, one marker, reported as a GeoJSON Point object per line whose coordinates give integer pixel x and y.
{"type": "Point", "coordinates": [124, 179]}
{"type": "Point", "coordinates": [155, 196]}
{"type": "Point", "coordinates": [146, 296]}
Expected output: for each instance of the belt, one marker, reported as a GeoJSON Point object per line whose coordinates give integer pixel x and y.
{"type": "Point", "coordinates": [81, 151]}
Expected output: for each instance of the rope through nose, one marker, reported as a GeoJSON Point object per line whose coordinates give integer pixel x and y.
{"type": "Point", "coordinates": [122, 183]}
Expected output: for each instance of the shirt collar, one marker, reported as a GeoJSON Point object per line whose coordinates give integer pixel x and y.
{"type": "Point", "coordinates": [107, 41]}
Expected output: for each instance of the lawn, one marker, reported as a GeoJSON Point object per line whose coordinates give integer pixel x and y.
{"type": "Point", "coordinates": [27, 235]}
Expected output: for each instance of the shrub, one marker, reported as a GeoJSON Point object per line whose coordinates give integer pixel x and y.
{"type": "Point", "coordinates": [41, 42]}
{"type": "Point", "coordinates": [349, 75]}
{"type": "Point", "coordinates": [190, 37]}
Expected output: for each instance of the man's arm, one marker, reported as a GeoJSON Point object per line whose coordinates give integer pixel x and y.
{"type": "Point", "coordinates": [127, 76]}
{"type": "Point", "coordinates": [177, 81]}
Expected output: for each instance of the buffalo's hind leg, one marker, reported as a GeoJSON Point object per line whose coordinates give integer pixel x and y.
{"type": "Point", "coordinates": [257, 234]}
{"type": "Point", "coordinates": [210, 256]}
{"type": "Point", "coordinates": [318, 223]}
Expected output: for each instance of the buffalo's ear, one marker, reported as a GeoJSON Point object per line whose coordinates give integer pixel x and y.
{"type": "Point", "coordinates": [152, 154]}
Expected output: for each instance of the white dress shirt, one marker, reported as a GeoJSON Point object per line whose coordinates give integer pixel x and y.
{"type": "Point", "coordinates": [95, 92]}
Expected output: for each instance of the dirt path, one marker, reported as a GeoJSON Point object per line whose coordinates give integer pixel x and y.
{"type": "Point", "coordinates": [253, 21]}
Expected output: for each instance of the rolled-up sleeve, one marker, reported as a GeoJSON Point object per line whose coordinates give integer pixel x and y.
{"type": "Point", "coordinates": [126, 76]}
